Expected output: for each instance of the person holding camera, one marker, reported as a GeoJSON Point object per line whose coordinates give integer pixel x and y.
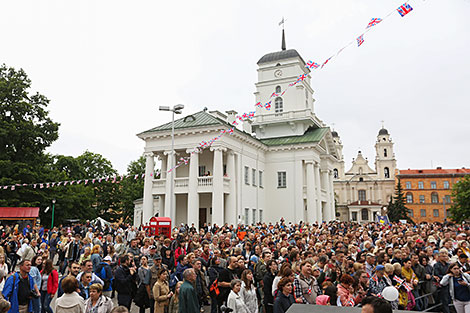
{"type": "Point", "coordinates": [459, 284]}
{"type": "Point", "coordinates": [19, 289]}
{"type": "Point", "coordinates": [125, 277]}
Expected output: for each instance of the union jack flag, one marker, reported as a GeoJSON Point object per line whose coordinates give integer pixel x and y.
{"type": "Point", "coordinates": [268, 105]}
{"type": "Point", "coordinates": [283, 93]}
{"type": "Point", "coordinates": [311, 64]}
{"type": "Point", "coordinates": [245, 115]}
{"type": "Point", "coordinates": [230, 131]}
{"type": "Point", "coordinates": [223, 131]}
{"type": "Point", "coordinates": [274, 95]}
{"type": "Point", "coordinates": [407, 287]}
{"type": "Point", "coordinates": [301, 77]}
{"type": "Point", "coordinates": [360, 40]}
{"type": "Point", "coordinates": [404, 9]}
{"type": "Point", "coordinates": [292, 84]}
{"type": "Point", "coordinates": [251, 115]}
{"type": "Point", "coordinates": [351, 302]}
{"type": "Point", "coordinates": [258, 105]}
{"type": "Point", "coordinates": [234, 123]}
{"type": "Point", "coordinates": [374, 22]}
{"type": "Point", "coordinates": [398, 279]}
{"type": "Point", "coordinates": [324, 63]}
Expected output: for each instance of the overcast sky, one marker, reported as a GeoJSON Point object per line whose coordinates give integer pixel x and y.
{"type": "Point", "coordinates": [106, 66]}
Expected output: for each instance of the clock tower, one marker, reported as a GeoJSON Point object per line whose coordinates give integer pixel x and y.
{"type": "Point", "coordinates": [292, 108]}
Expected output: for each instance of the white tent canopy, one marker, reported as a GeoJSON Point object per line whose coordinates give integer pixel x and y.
{"type": "Point", "coordinates": [100, 221]}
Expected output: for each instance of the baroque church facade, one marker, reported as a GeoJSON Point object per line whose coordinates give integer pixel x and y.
{"type": "Point", "coordinates": [278, 165]}
{"type": "Point", "coordinates": [362, 193]}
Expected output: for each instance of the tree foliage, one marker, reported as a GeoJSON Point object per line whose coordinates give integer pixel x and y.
{"type": "Point", "coordinates": [397, 210]}
{"type": "Point", "coordinates": [460, 209]}
{"type": "Point", "coordinates": [26, 130]}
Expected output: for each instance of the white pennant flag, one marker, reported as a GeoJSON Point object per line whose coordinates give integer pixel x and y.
{"type": "Point", "coordinates": [47, 209]}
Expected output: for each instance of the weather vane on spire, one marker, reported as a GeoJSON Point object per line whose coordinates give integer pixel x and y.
{"type": "Point", "coordinates": [283, 45]}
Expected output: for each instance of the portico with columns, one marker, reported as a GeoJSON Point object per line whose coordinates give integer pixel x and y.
{"type": "Point", "coordinates": [279, 165]}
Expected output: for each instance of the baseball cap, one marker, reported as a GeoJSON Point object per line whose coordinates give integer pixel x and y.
{"type": "Point", "coordinates": [107, 258]}
{"type": "Point", "coordinates": [157, 257]}
{"type": "Point", "coordinates": [379, 268]}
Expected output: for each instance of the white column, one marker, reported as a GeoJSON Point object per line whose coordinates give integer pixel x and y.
{"type": "Point", "coordinates": [168, 194]}
{"type": "Point", "coordinates": [311, 204]}
{"type": "Point", "coordinates": [193, 196]}
{"type": "Point", "coordinates": [161, 205]}
{"type": "Point", "coordinates": [163, 171]}
{"type": "Point", "coordinates": [218, 187]}
{"type": "Point", "coordinates": [318, 193]}
{"type": "Point", "coordinates": [147, 209]}
{"type": "Point", "coordinates": [231, 217]}
{"type": "Point", "coordinates": [332, 209]}
{"type": "Point", "coordinates": [299, 206]}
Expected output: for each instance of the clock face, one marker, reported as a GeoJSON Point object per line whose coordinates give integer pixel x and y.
{"type": "Point", "coordinates": [278, 73]}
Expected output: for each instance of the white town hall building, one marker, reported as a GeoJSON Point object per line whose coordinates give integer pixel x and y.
{"type": "Point", "coordinates": [278, 165]}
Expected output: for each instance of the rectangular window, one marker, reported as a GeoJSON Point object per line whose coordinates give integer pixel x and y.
{"type": "Point", "coordinates": [435, 213]}
{"type": "Point", "coordinates": [409, 198]}
{"type": "Point", "coordinates": [446, 184]}
{"type": "Point", "coordinates": [202, 170]}
{"type": "Point", "coordinates": [260, 181]}
{"type": "Point", "coordinates": [225, 169]}
{"type": "Point", "coordinates": [421, 199]}
{"type": "Point", "coordinates": [447, 199]}
{"type": "Point", "coordinates": [362, 195]}
{"type": "Point", "coordinates": [247, 175]}
{"type": "Point", "coordinates": [411, 213]}
{"type": "Point", "coordinates": [433, 185]}
{"type": "Point", "coordinates": [253, 177]}
{"type": "Point", "coordinates": [423, 212]}
{"type": "Point", "coordinates": [354, 216]}
{"type": "Point", "coordinates": [247, 216]}
{"type": "Point", "coordinates": [281, 180]}
{"type": "Point", "coordinates": [408, 185]}
{"type": "Point", "coordinates": [420, 185]}
{"type": "Point", "coordinates": [260, 215]}
{"type": "Point", "coordinates": [254, 216]}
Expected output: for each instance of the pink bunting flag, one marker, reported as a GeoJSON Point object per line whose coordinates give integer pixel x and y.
{"type": "Point", "coordinates": [12, 187]}
{"type": "Point", "coordinates": [41, 186]}
{"type": "Point", "coordinates": [86, 181]}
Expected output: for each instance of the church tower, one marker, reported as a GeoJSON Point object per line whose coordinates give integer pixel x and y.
{"type": "Point", "coordinates": [292, 110]}
{"type": "Point", "coordinates": [338, 171]}
{"type": "Point", "coordinates": [385, 162]}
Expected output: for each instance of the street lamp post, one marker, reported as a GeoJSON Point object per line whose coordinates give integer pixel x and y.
{"type": "Point", "coordinates": [177, 109]}
{"type": "Point", "coordinates": [53, 207]}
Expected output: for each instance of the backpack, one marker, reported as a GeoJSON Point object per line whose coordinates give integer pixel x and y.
{"type": "Point", "coordinates": [173, 280]}
{"type": "Point", "coordinates": [101, 273]}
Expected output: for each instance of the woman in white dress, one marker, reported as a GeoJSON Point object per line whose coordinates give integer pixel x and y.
{"type": "Point", "coordinates": [248, 291]}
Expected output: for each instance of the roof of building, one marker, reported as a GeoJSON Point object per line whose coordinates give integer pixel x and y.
{"type": "Point", "coordinates": [18, 213]}
{"type": "Point", "coordinates": [311, 135]}
{"type": "Point", "coordinates": [383, 131]}
{"type": "Point", "coordinates": [198, 119]}
{"type": "Point", "coordinates": [437, 171]}
{"type": "Point", "coordinates": [279, 55]}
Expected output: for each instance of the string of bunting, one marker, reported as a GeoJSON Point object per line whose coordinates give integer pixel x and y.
{"type": "Point", "coordinates": [113, 179]}
{"type": "Point", "coordinates": [403, 10]}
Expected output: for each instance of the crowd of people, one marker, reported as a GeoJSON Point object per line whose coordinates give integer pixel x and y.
{"type": "Point", "coordinates": [262, 268]}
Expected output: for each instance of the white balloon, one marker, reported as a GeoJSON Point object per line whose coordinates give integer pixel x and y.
{"type": "Point", "coordinates": [390, 293]}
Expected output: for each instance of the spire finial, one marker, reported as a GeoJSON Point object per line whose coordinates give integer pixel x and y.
{"type": "Point", "coordinates": [382, 121]}
{"type": "Point", "coordinates": [283, 44]}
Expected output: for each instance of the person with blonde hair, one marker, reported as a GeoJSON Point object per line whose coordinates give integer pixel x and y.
{"type": "Point", "coordinates": [97, 302]}
{"type": "Point", "coordinates": [95, 257]}
{"type": "Point", "coordinates": [86, 255]}
{"type": "Point", "coordinates": [174, 301]}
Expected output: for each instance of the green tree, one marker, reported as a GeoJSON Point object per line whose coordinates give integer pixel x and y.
{"type": "Point", "coordinates": [397, 210]}
{"type": "Point", "coordinates": [25, 132]}
{"type": "Point", "coordinates": [460, 209]}
{"type": "Point", "coordinates": [132, 189]}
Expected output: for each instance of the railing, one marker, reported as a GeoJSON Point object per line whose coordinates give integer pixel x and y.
{"type": "Point", "coordinates": [181, 182]}
{"type": "Point", "coordinates": [204, 181]}
{"type": "Point", "coordinates": [159, 182]}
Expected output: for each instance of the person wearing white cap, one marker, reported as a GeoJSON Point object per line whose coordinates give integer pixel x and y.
{"type": "Point", "coordinates": [104, 271]}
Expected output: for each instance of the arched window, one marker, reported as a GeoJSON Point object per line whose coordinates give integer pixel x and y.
{"type": "Point", "coordinates": [278, 89]}
{"type": "Point", "coordinates": [409, 197]}
{"type": "Point", "coordinates": [335, 173]}
{"type": "Point", "coordinates": [278, 105]}
{"type": "Point", "coordinates": [434, 197]}
{"type": "Point", "coordinates": [364, 215]}
{"type": "Point", "coordinates": [386, 172]}
{"type": "Point", "coordinates": [385, 153]}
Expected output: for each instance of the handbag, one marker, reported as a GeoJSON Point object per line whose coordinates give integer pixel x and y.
{"type": "Point", "coordinates": [141, 298]}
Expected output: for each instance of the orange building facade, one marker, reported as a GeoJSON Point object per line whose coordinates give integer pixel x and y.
{"type": "Point", "coordinates": [428, 192]}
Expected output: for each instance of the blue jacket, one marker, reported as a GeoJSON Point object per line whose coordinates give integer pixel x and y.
{"type": "Point", "coordinates": [10, 292]}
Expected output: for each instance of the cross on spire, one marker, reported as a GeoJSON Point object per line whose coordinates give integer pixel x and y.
{"type": "Point", "coordinates": [382, 121]}
{"type": "Point", "coordinates": [283, 44]}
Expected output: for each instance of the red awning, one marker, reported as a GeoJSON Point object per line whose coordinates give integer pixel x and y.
{"type": "Point", "coordinates": [19, 213]}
